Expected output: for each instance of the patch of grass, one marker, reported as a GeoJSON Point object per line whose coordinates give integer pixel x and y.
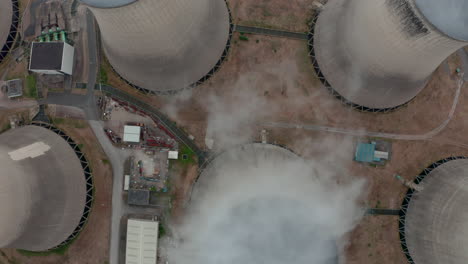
{"type": "Point", "coordinates": [244, 38]}
{"type": "Point", "coordinates": [105, 161]}
{"type": "Point", "coordinates": [186, 155]}
{"type": "Point", "coordinates": [6, 127]}
{"type": "Point", "coordinates": [58, 251]}
{"type": "Point", "coordinates": [71, 122]}
{"type": "Point", "coordinates": [103, 75]}
{"type": "Point", "coordinates": [80, 146]}
{"type": "Point", "coordinates": [161, 231]}
{"type": "Point", "coordinates": [31, 89]}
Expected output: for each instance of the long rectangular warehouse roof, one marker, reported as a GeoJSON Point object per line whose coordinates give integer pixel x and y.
{"type": "Point", "coordinates": [142, 241]}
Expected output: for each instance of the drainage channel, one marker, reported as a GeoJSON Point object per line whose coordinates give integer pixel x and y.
{"type": "Point", "coordinates": [271, 32]}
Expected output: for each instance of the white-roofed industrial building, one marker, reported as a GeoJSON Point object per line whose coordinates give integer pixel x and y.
{"type": "Point", "coordinates": [132, 134]}
{"type": "Point", "coordinates": [51, 58]}
{"type": "Point", "coordinates": [142, 241]}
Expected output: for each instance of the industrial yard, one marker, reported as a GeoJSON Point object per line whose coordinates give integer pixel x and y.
{"type": "Point", "coordinates": [262, 110]}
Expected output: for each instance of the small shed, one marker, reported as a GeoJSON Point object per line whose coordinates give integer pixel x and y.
{"type": "Point", "coordinates": [374, 152]}
{"type": "Point", "coordinates": [132, 134]}
{"type": "Point", "coordinates": [14, 88]}
{"type": "Point", "coordinates": [173, 155]}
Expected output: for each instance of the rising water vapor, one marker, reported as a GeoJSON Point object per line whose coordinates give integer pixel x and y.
{"type": "Point", "coordinates": [260, 203]}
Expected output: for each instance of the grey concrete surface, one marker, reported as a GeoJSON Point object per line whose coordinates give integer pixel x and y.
{"type": "Point", "coordinates": [377, 53]}
{"type": "Point", "coordinates": [107, 3]}
{"type": "Point", "coordinates": [164, 45]}
{"type": "Point", "coordinates": [43, 196]}
{"type": "Point", "coordinates": [6, 14]}
{"type": "Point", "coordinates": [436, 225]}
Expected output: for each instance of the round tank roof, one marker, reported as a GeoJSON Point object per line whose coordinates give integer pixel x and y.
{"type": "Point", "coordinates": [436, 225]}
{"type": "Point", "coordinates": [448, 16]}
{"type": "Point", "coordinates": [6, 14]}
{"type": "Point", "coordinates": [42, 189]}
{"type": "Point", "coordinates": [107, 3]}
{"type": "Point", "coordinates": [246, 212]}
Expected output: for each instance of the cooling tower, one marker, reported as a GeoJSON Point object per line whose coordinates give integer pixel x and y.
{"type": "Point", "coordinates": [8, 25]}
{"type": "Point", "coordinates": [250, 216]}
{"type": "Point", "coordinates": [379, 54]}
{"type": "Point", "coordinates": [43, 189]}
{"type": "Point", "coordinates": [163, 46]}
{"type": "Point", "coordinates": [435, 220]}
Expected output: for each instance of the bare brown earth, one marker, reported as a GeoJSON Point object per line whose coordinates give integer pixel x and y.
{"type": "Point", "coordinates": [185, 176]}
{"type": "Point", "coordinates": [92, 245]}
{"type": "Point", "coordinates": [278, 14]}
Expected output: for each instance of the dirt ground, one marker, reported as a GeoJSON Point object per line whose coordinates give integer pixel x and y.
{"type": "Point", "coordinates": [278, 14]}
{"type": "Point", "coordinates": [185, 177]}
{"type": "Point", "coordinates": [92, 245]}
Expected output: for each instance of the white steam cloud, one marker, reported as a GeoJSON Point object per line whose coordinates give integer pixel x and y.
{"type": "Point", "coordinates": [262, 204]}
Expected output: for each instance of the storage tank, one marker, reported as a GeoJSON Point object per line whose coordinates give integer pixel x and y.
{"type": "Point", "coordinates": [434, 221]}
{"type": "Point", "coordinates": [379, 54]}
{"type": "Point", "coordinates": [44, 195]}
{"type": "Point", "coordinates": [9, 14]}
{"type": "Point", "coordinates": [163, 46]}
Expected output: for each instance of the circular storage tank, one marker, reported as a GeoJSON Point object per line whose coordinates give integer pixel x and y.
{"type": "Point", "coordinates": [436, 221]}
{"type": "Point", "coordinates": [163, 46]}
{"type": "Point", "coordinates": [379, 54]}
{"type": "Point", "coordinates": [251, 206]}
{"type": "Point", "coordinates": [42, 189]}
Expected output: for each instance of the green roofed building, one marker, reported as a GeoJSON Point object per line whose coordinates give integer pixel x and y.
{"type": "Point", "coordinates": [368, 153]}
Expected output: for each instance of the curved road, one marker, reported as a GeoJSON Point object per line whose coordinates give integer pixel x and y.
{"type": "Point", "coordinates": [354, 132]}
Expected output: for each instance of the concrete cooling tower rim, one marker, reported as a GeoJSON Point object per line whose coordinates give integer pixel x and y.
{"type": "Point", "coordinates": [448, 16]}
{"type": "Point", "coordinates": [250, 155]}
{"type": "Point", "coordinates": [203, 79]}
{"type": "Point", "coordinates": [87, 174]}
{"type": "Point", "coordinates": [323, 80]}
{"type": "Point", "coordinates": [108, 3]}
{"type": "Point", "coordinates": [9, 19]}
{"type": "Point", "coordinates": [406, 202]}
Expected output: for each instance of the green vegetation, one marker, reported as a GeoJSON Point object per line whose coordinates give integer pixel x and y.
{"type": "Point", "coordinates": [80, 146]}
{"type": "Point", "coordinates": [71, 122]}
{"type": "Point", "coordinates": [244, 38]}
{"type": "Point", "coordinates": [105, 161]}
{"type": "Point", "coordinates": [186, 155]}
{"type": "Point", "coordinates": [257, 41]}
{"type": "Point", "coordinates": [6, 127]}
{"type": "Point", "coordinates": [161, 231]}
{"type": "Point", "coordinates": [31, 89]}
{"type": "Point", "coordinates": [57, 251]}
{"type": "Point", "coordinates": [103, 75]}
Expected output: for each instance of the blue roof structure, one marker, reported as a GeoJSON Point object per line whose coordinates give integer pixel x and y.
{"type": "Point", "coordinates": [365, 152]}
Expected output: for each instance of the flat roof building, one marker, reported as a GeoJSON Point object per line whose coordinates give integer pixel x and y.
{"type": "Point", "coordinates": [142, 241]}
{"type": "Point", "coordinates": [132, 134]}
{"type": "Point", "coordinates": [374, 152]}
{"type": "Point", "coordinates": [138, 197]}
{"type": "Point", "coordinates": [51, 58]}
{"type": "Point", "coordinates": [173, 155]}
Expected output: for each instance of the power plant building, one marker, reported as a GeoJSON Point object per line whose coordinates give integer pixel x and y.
{"type": "Point", "coordinates": [163, 46]}
{"type": "Point", "coordinates": [43, 190]}
{"type": "Point", "coordinates": [52, 58]}
{"type": "Point", "coordinates": [435, 223]}
{"type": "Point", "coordinates": [9, 19]}
{"type": "Point", "coordinates": [379, 54]}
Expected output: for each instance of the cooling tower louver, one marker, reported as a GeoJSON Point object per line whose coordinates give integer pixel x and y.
{"type": "Point", "coordinates": [45, 188]}
{"type": "Point", "coordinates": [9, 19]}
{"type": "Point", "coordinates": [163, 46]}
{"type": "Point", "coordinates": [378, 54]}
{"type": "Point", "coordinates": [434, 221]}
